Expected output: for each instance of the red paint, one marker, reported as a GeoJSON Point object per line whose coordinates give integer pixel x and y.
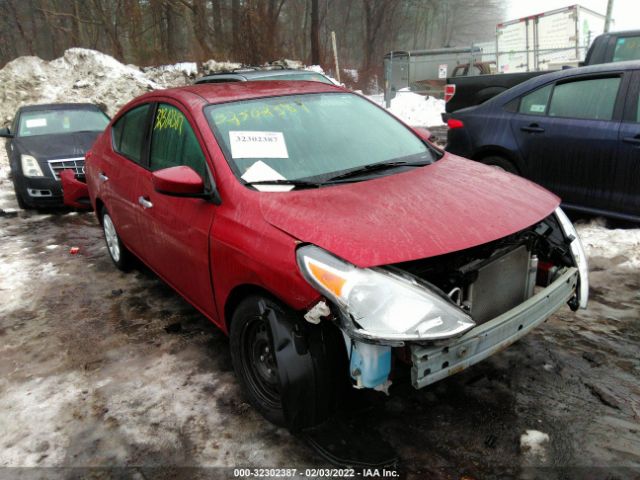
{"type": "Point", "coordinates": [177, 181]}
{"type": "Point", "coordinates": [73, 190]}
{"type": "Point", "coordinates": [454, 123]}
{"type": "Point", "coordinates": [207, 251]}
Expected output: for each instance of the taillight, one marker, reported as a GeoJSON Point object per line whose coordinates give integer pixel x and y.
{"type": "Point", "coordinates": [454, 123]}
{"type": "Point", "coordinates": [449, 92]}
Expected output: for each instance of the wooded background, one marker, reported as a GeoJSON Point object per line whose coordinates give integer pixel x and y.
{"type": "Point", "coordinates": [153, 32]}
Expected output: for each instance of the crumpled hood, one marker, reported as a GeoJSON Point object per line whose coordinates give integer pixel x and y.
{"type": "Point", "coordinates": [44, 147]}
{"type": "Point", "coordinates": [451, 205]}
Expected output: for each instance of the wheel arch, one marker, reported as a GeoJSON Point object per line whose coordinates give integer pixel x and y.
{"type": "Point", "coordinates": [239, 293]}
{"type": "Point", "coordinates": [498, 151]}
{"type": "Point", "coordinates": [98, 209]}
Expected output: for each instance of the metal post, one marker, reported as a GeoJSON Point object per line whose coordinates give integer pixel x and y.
{"type": "Point", "coordinates": [607, 21]}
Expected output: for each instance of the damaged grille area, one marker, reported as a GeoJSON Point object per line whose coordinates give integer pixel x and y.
{"type": "Point", "coordinates": [490, 279]}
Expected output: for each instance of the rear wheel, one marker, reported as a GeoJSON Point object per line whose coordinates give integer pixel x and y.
{"type": "Point", "coordinates": [500, 163]}
{"type": "Point", "coordinates": [117, 251]}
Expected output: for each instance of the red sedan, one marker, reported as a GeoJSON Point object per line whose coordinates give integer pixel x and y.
{"type": "Point", "coordinates": [333, 243]}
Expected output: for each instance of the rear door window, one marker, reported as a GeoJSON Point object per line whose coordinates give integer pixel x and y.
{"type": "Point", "coordinates": [173, 142]}
{"type": "Point", "coordinates": [129, 133]}
{"type": "Point", "coordinates": [627, 48]}
{"type": "Point", "coordinates": [535, 103]}
{"type": "Point", "coordinates": [589, 99]}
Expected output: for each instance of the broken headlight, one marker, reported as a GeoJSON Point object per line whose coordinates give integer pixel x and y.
{"type": "Point", "coordinates": [579, 256]}
{"type": "Point", "coordinates": [382, 304]}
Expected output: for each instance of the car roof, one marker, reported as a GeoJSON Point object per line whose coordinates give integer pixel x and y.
{"type": "Point", "coordinates": [535, 82]}
{"type": "Point", "coordinates": [58, 106]}
{"type": "Point", "coordinates": [237, 91]}
{"type": "Point", "coordinates": [249, 74]}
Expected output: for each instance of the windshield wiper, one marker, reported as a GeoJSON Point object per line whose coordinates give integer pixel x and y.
{"type": "Point", "coordinates": [374, 167]}
{"type": "Point", "coordinates": [295, 183]}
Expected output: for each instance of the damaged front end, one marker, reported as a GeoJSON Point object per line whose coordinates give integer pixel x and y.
{"type": "Point", "coordinates": [74, 190]}
{"type": "Point", "coordinates": [451, 311]}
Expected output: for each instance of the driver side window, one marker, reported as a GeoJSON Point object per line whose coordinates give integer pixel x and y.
{"type": "Point", "coordinates": [174, 143]}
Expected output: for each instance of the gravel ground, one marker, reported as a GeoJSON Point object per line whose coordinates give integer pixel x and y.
{"type": "Point", "coordinates": [101, 368]}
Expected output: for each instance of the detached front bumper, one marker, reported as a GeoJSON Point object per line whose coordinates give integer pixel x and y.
{"type": "Point", "coordinates": [74, 191]}
{"type": "Point", "coordinates": [433, 363]}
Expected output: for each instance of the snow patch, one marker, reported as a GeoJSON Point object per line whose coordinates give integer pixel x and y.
{"type": "Point", "coordinates": [533, 442]}
{"type": "Point", "coordinates": [599, 241]}
{"type": "Point", "coordinates": [413, 109]}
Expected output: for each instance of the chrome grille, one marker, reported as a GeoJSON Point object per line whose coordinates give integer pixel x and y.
{"type": "Point", "coordinates": [75, 164]}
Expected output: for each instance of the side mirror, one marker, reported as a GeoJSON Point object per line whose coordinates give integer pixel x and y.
{"type": "Point", "coordinates": [424, 134]}
{"type": "Point", "coordinates": [6, 133]}
{"type": "Point", "coordinates": [181, 181]}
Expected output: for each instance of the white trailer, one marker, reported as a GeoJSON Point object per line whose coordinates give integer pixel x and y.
{"type": "Point", "coordinates": [549, 39]}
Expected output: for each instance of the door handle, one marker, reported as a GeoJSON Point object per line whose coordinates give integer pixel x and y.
{"type": "Point", "coordinates": [145, 203]}
{"type": "Point", "coordinates": [635, 140]}
{"type": "Point", "coordinates": [103, 177]}
{"type": "Point", "coordinates": [533, 128]}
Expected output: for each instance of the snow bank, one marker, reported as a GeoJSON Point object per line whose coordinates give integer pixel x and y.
{"type": "Point", "coordinates": [413, 109]}
{"type": "Point", "coordinates": [417, 110]}
{"type": "Point", "coordinates": [80, 75]}
{"type": "Point", "coordinates": [212, 66]}
{"type": "Point", "coordinates": [600, 241]}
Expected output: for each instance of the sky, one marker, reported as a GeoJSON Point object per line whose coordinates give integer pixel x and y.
{"type": "Point", "coordinates": [626, 13]}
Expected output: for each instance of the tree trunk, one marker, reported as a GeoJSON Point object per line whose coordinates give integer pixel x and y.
{"type": "Point", "coordinates": [315, 32]}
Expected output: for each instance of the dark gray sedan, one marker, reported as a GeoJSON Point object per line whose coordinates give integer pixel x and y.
{"type": "Point", "coordinates": [44, 140]}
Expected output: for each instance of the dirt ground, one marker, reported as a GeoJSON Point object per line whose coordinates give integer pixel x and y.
{"type": "Point", "coordinates": [101, 369]}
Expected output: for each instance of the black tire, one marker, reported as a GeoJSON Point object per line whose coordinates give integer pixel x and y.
{"type": "Point", "coordinates": [119, 254]}
{"type": "Point", "coordinates": [260, 388]}
{"type": "Point", "coordinates": [307, 388]}
{"type": "Point", "coordinates": [21, 202]}
{"type": "Point", "coordinates": [501, 163]}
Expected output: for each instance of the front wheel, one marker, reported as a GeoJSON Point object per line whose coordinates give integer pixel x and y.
{"type": "Point", "coordinates": [292, 372]}
{"type": "Point", "coordinates": [117, 251]}
{"type": "Point", "coordinates": [20, 198]}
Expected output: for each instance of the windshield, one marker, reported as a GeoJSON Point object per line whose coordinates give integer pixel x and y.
{"type": "Point", "coordinates": [314, 77]}
{"type": "Point", "coordinates": [48, 122]}
{"type": "Point", "coordinates": [310, 137]}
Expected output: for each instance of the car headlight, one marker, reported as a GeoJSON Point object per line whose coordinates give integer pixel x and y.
{"type": "Point", "coordinates": [30, 166]}
{"type": "Point", "coordinates": [579, 256]}
{"type": "Point", "coordinates": [384, 305]}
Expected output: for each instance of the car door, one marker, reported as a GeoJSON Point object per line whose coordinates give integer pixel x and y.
{"type": "Point", "coordinates": [627, 194]}
{"type": "Point", "coordinates": [567, 133]}
{"type": "Point", "coordinates": [120, 171]}
{"type": "Point", "coordinates": [175, 229]}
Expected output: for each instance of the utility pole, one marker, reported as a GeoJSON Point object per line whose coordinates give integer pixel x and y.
{"type": "Point", "coordinates": [607, 22]}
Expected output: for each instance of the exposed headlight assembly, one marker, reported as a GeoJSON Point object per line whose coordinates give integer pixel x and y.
{"type": "Point", "coordinates": [30, 166]}
{"type": "Point", "coordinates": [384, 306]}
{"type": "Point", "coordinates": [579, 257]}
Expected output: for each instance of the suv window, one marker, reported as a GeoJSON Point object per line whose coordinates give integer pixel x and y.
{"type": "Point", "coordinates": [535, 103]}
{"type": "Point", "coordinates": [173, 142]}
{"type": "Point", "coordinates": [129, 132]}
{"type": "Point", "coordinates": [627, 48]}
{"type": "Point", "coordinates": [592, 99]}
